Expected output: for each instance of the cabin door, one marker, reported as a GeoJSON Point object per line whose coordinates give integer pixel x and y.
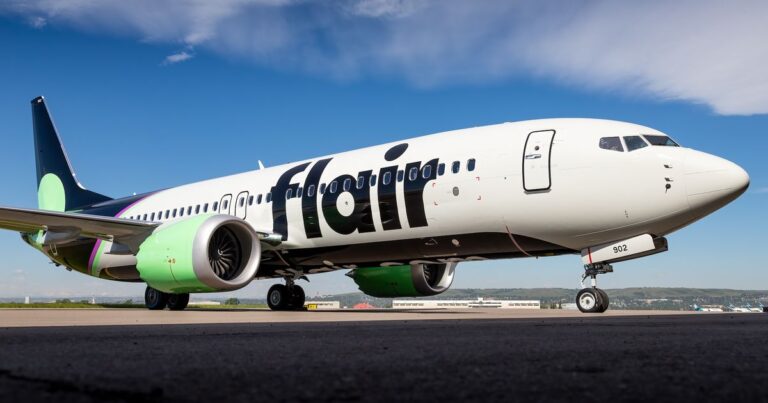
{"type": "Point", "coordinates": [536, 161]}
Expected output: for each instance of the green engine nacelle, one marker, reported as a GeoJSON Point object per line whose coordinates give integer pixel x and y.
{"type": "Point", "coordinates": [414, 280]}
{"type": "Point", "coordinates": [200, 254]}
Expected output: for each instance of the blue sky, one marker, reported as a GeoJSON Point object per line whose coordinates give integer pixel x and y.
{"type": "Point", "coordinates": [157, 94]}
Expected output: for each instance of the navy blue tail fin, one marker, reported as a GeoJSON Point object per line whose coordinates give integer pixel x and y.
{"type": "Point", "coordinates": [57, 186]}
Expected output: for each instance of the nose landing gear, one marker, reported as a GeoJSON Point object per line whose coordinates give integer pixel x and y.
{"type": "Point", "coordinates": [592, 299]}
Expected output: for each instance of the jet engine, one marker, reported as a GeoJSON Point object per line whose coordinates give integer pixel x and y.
{"type": "Point", "coordinates": [413, 280]}
{"type": "Point", "coordinates": [200, 254]}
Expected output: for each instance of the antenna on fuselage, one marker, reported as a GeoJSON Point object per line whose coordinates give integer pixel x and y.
{"type": "Point", "coordinates": [261, 165]}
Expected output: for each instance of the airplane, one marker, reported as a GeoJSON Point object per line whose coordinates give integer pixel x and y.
{"type": "Point", "coordinates": [399, 217]}
{"type": "Point", "coordinates": [706, 308]}
{"type": "Point", "coordinates": [738, 309]}
{"type": "Point", "coordinates": [753, 309]}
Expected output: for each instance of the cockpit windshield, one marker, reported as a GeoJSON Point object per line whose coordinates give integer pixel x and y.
{"type": "Point", "coordinates": [659, 140]}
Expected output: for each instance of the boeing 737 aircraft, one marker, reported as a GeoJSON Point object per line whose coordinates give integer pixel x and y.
{"type": "Point", "coordinates": [399, 217]}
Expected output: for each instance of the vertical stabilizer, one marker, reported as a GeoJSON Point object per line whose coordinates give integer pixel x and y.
{"type": "Point", "coordinates": [57, 186]}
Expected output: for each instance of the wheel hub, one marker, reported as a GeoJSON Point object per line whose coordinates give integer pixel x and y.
{"type": "Point", "coordinates": [587, 301]}
{"type": "Point", "coordinates": [275, 297]}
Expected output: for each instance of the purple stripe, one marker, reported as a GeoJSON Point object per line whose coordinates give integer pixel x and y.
{"type": "Point", "coordinates": [93, 256]}
{"type": "Point", "coordinates": [98, 241]}
{"type": "Point", "coordinates": [129, 206]}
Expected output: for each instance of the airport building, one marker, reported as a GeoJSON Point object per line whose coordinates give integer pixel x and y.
{"type": "Point", "coordinates": [458, 304]}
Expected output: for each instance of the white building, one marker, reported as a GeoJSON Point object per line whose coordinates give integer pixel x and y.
{"type": "Point", "coordinates": [457, 304]}
{"type": "Point", "coordinates": [322, 305]}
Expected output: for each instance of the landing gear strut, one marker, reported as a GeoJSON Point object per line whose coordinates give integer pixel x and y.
{"type": "Point", "coordinates": [288, 297]}
{"type": "Point", "coordinates": [156, 300]}
{"type": "Point", "coordinates": [592, 299]}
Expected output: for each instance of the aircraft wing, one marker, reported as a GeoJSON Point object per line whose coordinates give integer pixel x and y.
{"type": "Point", "coordinates": [63, 227]}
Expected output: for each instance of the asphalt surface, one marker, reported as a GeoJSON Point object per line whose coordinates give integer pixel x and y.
{"type": "Point", "coordinates": [720, 357]}
{"type": "Point", "coordinates": [95, 317]}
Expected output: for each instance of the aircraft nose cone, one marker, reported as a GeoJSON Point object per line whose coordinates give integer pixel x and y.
{"type": "Point", "coordinates": [712, 182]}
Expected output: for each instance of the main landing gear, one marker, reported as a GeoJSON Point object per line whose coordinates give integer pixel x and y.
{"type": "Point", "coordinates": [592, 299]}
{"type": "Point", "coordinates": [156, 300]}
{"type": "Point", "coordinates": [288, 297]}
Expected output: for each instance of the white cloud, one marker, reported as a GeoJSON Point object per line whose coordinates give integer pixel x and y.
{"type": "Point", "coordinates": [178, 57]}
{"type": "Point", "coordinates": [385, 8]}
{"type": "Point", "coordinates": [38, 22]}
{"type": "Point", "coordinates": [703, 51]}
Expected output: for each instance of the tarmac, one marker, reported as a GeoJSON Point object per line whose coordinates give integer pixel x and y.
{"type": "Point", "coordinates": [460, 355]}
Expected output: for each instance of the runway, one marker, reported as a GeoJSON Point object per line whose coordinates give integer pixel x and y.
{"type": "Point", "coordinates": [101, 317]}
{"type": "Point", "coordinates": [387, 356]}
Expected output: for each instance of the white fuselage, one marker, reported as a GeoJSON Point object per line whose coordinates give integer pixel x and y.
{"type": "Point", "coordinates": [578, 194]}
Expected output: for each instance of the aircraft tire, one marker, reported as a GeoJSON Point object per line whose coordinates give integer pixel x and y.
{"type": "Point", "coordinates": [278, 298]}
{"type": "Point", "coordinates": [604, 300]}
{"type": "Point", "coordinates": [588, 300]}
{"type": "Point", "coordinates": [297, 298]}
{"type": "Point", "coordinates": [155, 300]}
{"type": "Point", "coordinates": [178, 302]}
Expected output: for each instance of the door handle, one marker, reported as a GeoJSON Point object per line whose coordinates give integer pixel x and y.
{"type": "Point", "coordinates": [532, 156]}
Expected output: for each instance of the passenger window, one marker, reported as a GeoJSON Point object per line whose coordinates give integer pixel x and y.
{"type": "Point", "coordinates": [456, 167]}
{"type": "Point", "coordinates": [174, 213]}
{"type": "Point", "coordinates": [611, 143]}
{"type": "Point", "coordinates": [225, 205]}
{"type": "Point", "coordinates": [215, 206]}
{"type": "Point", "coordinates": [269, 197]}
{"type": "Point", "coordinates": [152, 217]}
{"type": "Point", "coordinates": [372, 182]}
{"type": "Point", "coordinates": [241, 202]}
{"type": "Point", "coordinates": [333, 187]}
{"type": "Point", "coordinates": [288, 193]}
{"type": "Point", "coordinates": [181, 212]}
{"type": "Point", "coordinates": [426, 173]}
{"type": "Point", "coordinates": [360, 182]}
{"type": "Point", "coordinates": [634, 142]}
{"type": "Point", "coordinates": [400, 175]}
{"type": "Point", "coordinates": [322, 188]}
{"type": "Point", "coordinates": [205, 208]}
{"type": "Point", "coordinates": [347, 184]}
{"type": "Point", "coordinates": [471, 165]}
{"type": "Point", "coordinates": [300, 192]}
{"type": "Point", "coordinates": [197, 209]}
{"type": "Point", "coordinates": [145, 218]}
{"type": "Point", "coordinates": [167, 214]}
{"type": "Point", "coordinates": [413, 173]}
{"type": "Point", "coordinates": [387, 178]}
{"type": "Point", "coordinates": [441, 169]}
{"type": "Point", "coordinates": [658, 140]}
{"type": "Point", "coordinates": [310, 190]}
{"type": "Point", "coordinates": [189, 210]}
{"type": "Point", "coordinates": [250, 200]}
{"type": "Point", "coordinates": [258, 199]}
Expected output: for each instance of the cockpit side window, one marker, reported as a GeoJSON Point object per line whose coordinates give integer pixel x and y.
{"type": "Point", "coordinates": [611, 143]}
{"type": "Point", "coordinates": [634, 143]}
{"type": "Point", "coordinates": [658, 140]}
